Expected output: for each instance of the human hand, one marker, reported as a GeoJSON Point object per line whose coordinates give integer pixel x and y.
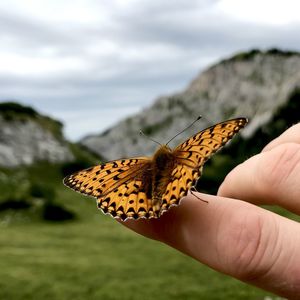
{"type": "Point", "coordinates": [238, 238]}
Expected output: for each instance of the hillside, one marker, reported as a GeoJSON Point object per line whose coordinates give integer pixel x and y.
{"type": "Point", "coordinates": [254, 84]}
{"type": "Point", "coordinates": [34, 158]}
{"type": "Point", "coordinates": [26, 137]}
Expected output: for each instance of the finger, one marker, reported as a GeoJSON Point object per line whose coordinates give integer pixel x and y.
{"type": "Point", "coordinates": [291, 135]}
{"type": "Point", "coordinates": [271, 177]}
{"type": "Point", "coordinates": [233, 237]}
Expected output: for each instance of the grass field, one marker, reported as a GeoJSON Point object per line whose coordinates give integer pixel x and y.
{"type": "Point", "coordinates": [96, 258]}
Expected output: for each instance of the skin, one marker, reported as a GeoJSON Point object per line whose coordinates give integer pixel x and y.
{"type": "Point", "coordinates": [233, 235]}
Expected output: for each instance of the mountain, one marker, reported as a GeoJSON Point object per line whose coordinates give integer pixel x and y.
{"type": "Point", "coordinates": [27, 136]}
{"type": "Point", "coordinates": [254, 84]}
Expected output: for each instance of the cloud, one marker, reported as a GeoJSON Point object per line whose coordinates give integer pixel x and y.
{"type": "Point", "coordinates": [88, 57]}
{"type": "Point", "coordinates": [262, 12]}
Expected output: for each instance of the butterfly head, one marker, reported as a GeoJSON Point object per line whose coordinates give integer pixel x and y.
{"type": "Point", "coordinates": [163, 149]}
{"type": "Point", "coordinates": [163, 155]}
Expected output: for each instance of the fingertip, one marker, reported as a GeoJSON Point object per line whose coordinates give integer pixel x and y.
{"type": "Point", "coordinates": [241, 181]}
{"type": "Point", "coordinates": [291, 135]}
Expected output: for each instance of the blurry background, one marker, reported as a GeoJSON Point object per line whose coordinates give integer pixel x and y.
{"type": "Point", "coordinates": [91, 63]}
{"type": "Point", "coordinates": [78, 80]}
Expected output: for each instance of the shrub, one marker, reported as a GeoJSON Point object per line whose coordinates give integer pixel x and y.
{"type": "Point", "coordinates": [13, 107]}
{"type": "Point", "coordinates": [38, 190]}
{"type": "Point", "coordinates": [72, 167]}
{"type": "Point", "coordinates": [57, 213]}
{"type": "Point", "coordinates": [14, 204]}
{"type": "Point", "coordinates": [50, 210]}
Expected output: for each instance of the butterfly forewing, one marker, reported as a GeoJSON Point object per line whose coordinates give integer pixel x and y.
{"type": "Point", "coordinates": [200, 147]}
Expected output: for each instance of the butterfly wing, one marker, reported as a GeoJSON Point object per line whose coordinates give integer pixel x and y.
{"type": "Point", "coordinates": [191, 156]}
{"type": "Point", "coordinates": [181, 180]}
{"type": "Point", "coordinates": [120, 187]}
{"type": "Point", "coordinates": [195, 151]}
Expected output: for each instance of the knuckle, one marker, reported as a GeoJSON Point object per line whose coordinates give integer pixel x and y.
{"type": "Point", "coordinates": [245, 235]}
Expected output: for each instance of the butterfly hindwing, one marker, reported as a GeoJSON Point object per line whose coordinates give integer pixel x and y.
{"type": "Point", "coordinates": [182, 178]}
{"type": "Point", "coordinates": [129, 200]}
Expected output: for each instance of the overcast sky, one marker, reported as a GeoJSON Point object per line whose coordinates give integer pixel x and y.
{"type": "Point", "coordinates": [90, 63]}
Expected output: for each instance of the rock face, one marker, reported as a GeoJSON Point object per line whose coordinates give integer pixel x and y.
{"type": "Point", "coordinates": [25, 138]}
{"type": "Point", "coordinates": [254, 84]}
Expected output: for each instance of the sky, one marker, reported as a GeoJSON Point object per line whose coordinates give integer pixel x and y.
{"type": "Point", "coordinates": [91, 63]}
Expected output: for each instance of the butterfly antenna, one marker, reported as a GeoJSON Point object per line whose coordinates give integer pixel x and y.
{"type": "Point", "coordinates": [149, 138]}
{"type": "Point", "coordinates": [184, 130]}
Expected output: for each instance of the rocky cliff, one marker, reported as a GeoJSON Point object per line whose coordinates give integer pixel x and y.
{"type": "Point", "coordinates": [27, 137]}
{"type": "Point", "coordinates": [255, 84]}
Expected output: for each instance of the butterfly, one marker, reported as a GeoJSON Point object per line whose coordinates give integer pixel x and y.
{"type": "Point", "coordinates": [146, 187]}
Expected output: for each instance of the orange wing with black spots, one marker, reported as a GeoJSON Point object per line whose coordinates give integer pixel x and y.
{"type": "Point", "coordinates": [182, 178]}
{"type": "Point", "coordinates": [118, 186]}
{"type": "Point", "coordinates": [191, 156]}
{"type": "Point", "coordinates": [195, 151]}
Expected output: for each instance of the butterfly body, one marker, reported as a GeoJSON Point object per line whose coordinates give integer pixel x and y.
{"type": "Point", "coordinates": [163, 163]}
{"type": "Point", "coordinates": [146, 187]}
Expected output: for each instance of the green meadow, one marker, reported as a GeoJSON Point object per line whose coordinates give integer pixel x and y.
{"type": "Point", "coordinates": [91, 256]}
